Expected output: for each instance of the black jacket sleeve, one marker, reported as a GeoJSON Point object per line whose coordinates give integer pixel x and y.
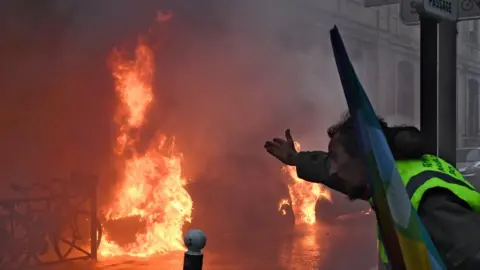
{"type": "Point", "coordinates": [454, 228]}
{"type": "Point", "coordinates": [314, 167]}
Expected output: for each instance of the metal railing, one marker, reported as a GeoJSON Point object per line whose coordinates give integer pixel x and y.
{"type": "Point", "coordinates": [50, 223]}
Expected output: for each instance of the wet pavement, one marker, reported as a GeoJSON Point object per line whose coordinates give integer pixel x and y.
{"type": "Point", "coordinates": [345, 244]}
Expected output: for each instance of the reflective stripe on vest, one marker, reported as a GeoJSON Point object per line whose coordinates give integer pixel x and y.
{"type": "Point", "coordinates": [418, 180]}
{"type": "Point", "coordinates": [419, 176]}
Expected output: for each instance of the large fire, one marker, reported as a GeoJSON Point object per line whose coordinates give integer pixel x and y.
{"type": "Point", "coordinates": [303, 196]}
{"type": "Point", "coordinates": [152, 186]}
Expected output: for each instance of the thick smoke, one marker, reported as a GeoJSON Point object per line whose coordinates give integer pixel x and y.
{"type": "Point", "coordinates": [230, 74]}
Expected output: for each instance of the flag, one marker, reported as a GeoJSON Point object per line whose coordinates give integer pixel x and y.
{"type": "Point", "coordinates": [406, 240]}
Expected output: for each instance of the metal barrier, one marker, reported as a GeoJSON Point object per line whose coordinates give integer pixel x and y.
{"type": "Point", "coordinates": [50, 223]}
{"type": "Point", "coordinates": [195, 241]}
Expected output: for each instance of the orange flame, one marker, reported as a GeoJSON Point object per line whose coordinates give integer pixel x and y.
{"type": "Point", "coordinates": [281, 206]}
{"type": "Point", "coordinates": [303, 196]}
{"type": "Point", "coordinates": [153, 186]}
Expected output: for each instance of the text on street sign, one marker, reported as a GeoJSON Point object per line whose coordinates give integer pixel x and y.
{"type": "Point", "coordinates": [441, 9]}
{"type": "Point", "coordinates": [467, 10]}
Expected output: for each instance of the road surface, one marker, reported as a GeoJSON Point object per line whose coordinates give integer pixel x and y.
{"type": "Point", "coordinates": [345, 244]}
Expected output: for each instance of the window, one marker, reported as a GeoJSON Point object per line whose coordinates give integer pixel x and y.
{"type": "Point", "coordinates": [472, 108]}
{"type": "Point", "coordinates": [473, 31]}
{"type": "Point", "coordinates": [391, 94]}
{"type": "Point", "coordinates": [406, 90]}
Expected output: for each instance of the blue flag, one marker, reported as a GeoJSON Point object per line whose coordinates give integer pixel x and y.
{"type": "Point", "coordinates": [407, 242]}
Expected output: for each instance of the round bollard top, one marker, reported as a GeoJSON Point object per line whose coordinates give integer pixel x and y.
{"type": "Point", "coordinates": [195, 241]}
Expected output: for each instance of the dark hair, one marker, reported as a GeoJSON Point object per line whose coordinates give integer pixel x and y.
{"type": "Point", "coordinates": [405, 142]}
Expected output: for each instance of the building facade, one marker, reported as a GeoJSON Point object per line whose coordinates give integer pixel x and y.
{"type": "Point", "coordinates": [386, 55]}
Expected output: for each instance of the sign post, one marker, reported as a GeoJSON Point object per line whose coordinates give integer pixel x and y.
{"type": "Point", "coordinates": [437, 93]}
{"type": "Point", "coordinates": [428, 83]}
{"type": "Point", "coordinates": [438, 133]}
{"type": "Point", "coordinates": [447, 91]}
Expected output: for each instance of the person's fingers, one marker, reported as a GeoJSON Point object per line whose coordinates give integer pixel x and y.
{"type": "Point", "coordinates": [274, 152]}
{"type": "Point", "coordinates": [288, 135]}
{"type": "Point", "coordinates": [271, 151]}
{"type": "Point", "coordinates": [271, 144]}
{"type": "Point", "coordinates": [279, 141]}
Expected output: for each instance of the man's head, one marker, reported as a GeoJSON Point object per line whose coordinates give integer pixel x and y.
{"type": "Point", "coordinates": [346, 159]}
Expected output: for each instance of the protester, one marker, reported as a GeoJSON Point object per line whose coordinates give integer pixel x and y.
{"type": "Point", "coordinates": [448, 205]}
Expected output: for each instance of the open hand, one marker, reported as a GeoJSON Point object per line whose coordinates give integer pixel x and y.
{"type": "Point", "coordinates": [283, 149]}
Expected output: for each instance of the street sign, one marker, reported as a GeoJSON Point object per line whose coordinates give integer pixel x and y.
{"type": "Point", "coordinates": [467, 10]}
{"type": "Point", "coordinates": [446, 10]}
{"type": "Point", "coordinates": [377, 3]}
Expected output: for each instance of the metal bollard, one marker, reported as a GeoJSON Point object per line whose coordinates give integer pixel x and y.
{"type": "Point", "coordinates": [195, 241]}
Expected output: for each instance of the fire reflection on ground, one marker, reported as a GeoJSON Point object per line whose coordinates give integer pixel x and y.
{"type": "Point", "coordinates": [340, 245]}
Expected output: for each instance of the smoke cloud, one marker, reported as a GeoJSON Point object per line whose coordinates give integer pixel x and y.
{"type": "Point", "coordinates": [230, 74]}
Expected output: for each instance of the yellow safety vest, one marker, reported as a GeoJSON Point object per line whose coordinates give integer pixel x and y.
{"type": "Point", "coordinates": [418, 176]}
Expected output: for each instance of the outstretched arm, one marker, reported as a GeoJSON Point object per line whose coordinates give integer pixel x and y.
{"type": "Point", "coordinates": [314, 167]}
